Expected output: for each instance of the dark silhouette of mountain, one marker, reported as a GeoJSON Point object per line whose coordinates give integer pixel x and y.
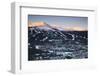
{"type": "Point", "coordinates": [46, 43]}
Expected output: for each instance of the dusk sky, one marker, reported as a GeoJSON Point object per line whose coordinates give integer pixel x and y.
{"type": "Point", "coordinates": [61, 21]}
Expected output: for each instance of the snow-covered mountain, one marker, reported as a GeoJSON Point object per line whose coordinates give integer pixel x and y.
{"type": "Point", "coordinates": [46, 42]}
{"type": "Point", "coordinates": [42, 26]}
{"type": "Point", "coordinates": [43, 31]}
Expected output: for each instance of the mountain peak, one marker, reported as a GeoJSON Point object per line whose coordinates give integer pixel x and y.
{"type": "Point", "coordinates": [40, 25]}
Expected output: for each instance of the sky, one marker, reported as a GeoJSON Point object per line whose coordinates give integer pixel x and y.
{"type": "Point", "coordinates": [68, 22]}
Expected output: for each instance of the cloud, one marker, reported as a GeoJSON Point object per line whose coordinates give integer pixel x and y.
{"type": "Point", "coordinates": [75, 28]}
{"type": "Point", "coordinates": [33, 24]}
{"type": "Point", "coordinates": [69, 28]}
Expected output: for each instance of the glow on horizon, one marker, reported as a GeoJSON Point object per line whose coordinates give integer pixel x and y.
{"type": "Point", "coordinates": [60, 22]}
